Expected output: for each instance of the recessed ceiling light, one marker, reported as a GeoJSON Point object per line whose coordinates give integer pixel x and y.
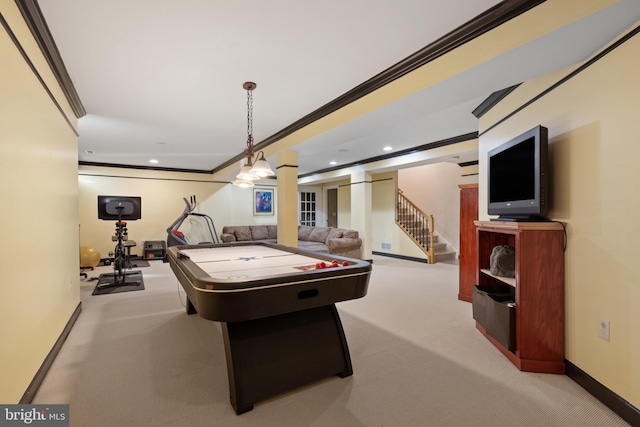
{"type": "Point", "coordinates": [89, 151]}
{"type": "Point", "coordinates": [333, 162]}
{"type": "Point", "coordinates": [388, 148]}
{"type": "Point", "coordinates": [154, 161]}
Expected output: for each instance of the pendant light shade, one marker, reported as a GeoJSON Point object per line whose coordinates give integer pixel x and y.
{"type": "Point", "coordinates": [261, 168]}
{"type": "Point", "coordinates": [242, 183]}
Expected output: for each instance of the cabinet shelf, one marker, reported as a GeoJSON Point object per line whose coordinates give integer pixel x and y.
{"type": "Point", "coordinates": [511, 281]}
{"type": "Point", "coordinates": [538, 290]}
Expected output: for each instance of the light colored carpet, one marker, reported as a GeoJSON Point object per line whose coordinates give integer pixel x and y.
{"type": "Point", "coordinates": [136, 359]}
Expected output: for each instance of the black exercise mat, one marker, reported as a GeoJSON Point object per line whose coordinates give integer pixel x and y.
{"type": "Point", "coordinates": [128, 285]}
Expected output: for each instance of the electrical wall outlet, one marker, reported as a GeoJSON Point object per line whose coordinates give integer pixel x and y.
{"type": "Point", "coordinates": [386, 246]}
{"type": "Point", "coordinates": [603, 329]}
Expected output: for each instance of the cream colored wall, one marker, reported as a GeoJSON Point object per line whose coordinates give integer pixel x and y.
{"type": "Point", "coordinates": [469, 174]}
{"type": "Point", "coordinates": [383, 218]}
{"type": "Point", "coordinates": [287, 212]}
{"type": "Point", "coordinates": [39, 254]}
{"type": "Point", "coordinates": [162, 203]}
{"type": "Point", "coordinates": [592, 122]}
{"type": "Point", "coordinates": [344, 204]}
{"type": "Point", "coordinates": [237, 206]}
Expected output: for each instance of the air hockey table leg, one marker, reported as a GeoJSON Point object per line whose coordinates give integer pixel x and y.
{"type": "Point", "coordinates": [190, 307]}
{"type": "Point", "coordinates": [272, 355]}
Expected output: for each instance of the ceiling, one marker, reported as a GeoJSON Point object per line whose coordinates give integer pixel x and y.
{"type": "Point", "coordinates": [163, 79]}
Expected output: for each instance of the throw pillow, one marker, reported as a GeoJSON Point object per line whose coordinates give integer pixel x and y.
{"type": "Point", "coordinates": [242, 234]}
{"type": "Point", "coordinates": [304, 232]}
{"type": "Point", "coordinates": [351, 234]}
{"type": "Point", "coordinates": [335, 233]}
{"type": "Point", "coordinates": [259, 232]}
{"type": "Point", "coordinates": [272, 231]}
{"type": "Point", "coordinates": [319, 234]}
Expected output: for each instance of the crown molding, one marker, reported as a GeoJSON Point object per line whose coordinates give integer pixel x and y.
{"type": "Point", "coordinates": [35, 21]}
{"type": "Point", "coordinates": [481, 24]}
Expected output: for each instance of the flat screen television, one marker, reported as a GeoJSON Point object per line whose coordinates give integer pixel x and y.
{"type": "Point", "coordinates": [517, 173]}
{"type": "Point", "coordinates": [119, 207]}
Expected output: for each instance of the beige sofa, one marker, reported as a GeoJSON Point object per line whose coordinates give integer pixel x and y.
{"type": "Point", "coordinates": [318, 239]}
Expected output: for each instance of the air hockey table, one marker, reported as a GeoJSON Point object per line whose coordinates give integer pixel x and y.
{"type": "Point", "coordinates": [276, 304]}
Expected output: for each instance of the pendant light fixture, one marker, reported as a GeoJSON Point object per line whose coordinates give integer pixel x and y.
{"type": "Point", "coordinates": [257, 168]}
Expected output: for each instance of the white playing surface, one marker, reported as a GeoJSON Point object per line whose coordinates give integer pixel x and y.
{"type": "Point", "coordinates": [240, 263]}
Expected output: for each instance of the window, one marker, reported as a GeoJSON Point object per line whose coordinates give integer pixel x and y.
{"type": "Point", "coordinates": [307, 208]}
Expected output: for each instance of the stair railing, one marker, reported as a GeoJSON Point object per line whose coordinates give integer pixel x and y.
{"type": "Point", "coordinates": [416, 224]}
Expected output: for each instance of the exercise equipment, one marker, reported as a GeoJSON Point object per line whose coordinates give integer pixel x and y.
{"type": "Point", "coordinates": [200, 225]}
{"type": "Point", "coordinates": [119, 208]}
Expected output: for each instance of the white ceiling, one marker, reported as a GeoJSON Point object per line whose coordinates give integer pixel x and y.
{"type": "Point", "coordinates": [163, 79]}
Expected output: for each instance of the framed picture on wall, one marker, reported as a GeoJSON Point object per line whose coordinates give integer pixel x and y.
{"type": "Point", "coordinates": [263, 201]}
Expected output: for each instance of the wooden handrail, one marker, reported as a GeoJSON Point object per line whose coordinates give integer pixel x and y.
{"type": "Point", "coordinates": [400, 192]}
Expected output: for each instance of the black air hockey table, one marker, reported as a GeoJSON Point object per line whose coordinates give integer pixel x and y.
{"type": "Point", "coordinates": [276, 303]}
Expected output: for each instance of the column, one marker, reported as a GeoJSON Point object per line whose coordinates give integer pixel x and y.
{"type": "Point", "coordinates": [361, 209]}
{"type": "Point", "coordinates": [287, 174]}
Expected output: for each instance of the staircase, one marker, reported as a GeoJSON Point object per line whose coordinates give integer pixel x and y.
{"type": "Point", "coordinates": [420, 228]}
{"type": "Point", "coordinates": [442, 251]}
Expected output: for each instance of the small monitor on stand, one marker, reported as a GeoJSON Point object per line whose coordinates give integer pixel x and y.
{"type": "Point", "coordinates": [118, 208]}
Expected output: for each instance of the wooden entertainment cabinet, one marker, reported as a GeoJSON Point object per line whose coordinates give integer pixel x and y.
{"type": "Point", "coordinates": [468, 258]}
{"type": "Point", "coordinates": [539, 290]}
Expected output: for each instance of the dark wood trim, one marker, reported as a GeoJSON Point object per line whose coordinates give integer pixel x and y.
{"type": "Point", "coordinates": [33, 68]}
{"type": "Point", "coordinates": [35, 21]}
{"type": "Point", "coordinates": [370, 182]}
{"type": "Point", "coordinates": [406, 258]}
{"type": "Point", "coordinates": [381, 180]}
{"type": "Point", "coordinates": [492, 100]}
{"type": "Point", "coordinates": [617, 404]}
{"type": "Point", "coordinates": [568, 77]}
{"type": "Point", "coordinates": [481, 24]}
{"type": "Point", "coordinates": [473, 185]}
{"type": "Point", "coordinates": [31, 391]}
{"type": "Point", "coordinates": [424, 147]}
{"type": "Point", "coordinates": [471, 163]}
{"type": "Point", "coordinates": [152, 168]}
{"type": "Point", "coordinates": [153, 179]}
